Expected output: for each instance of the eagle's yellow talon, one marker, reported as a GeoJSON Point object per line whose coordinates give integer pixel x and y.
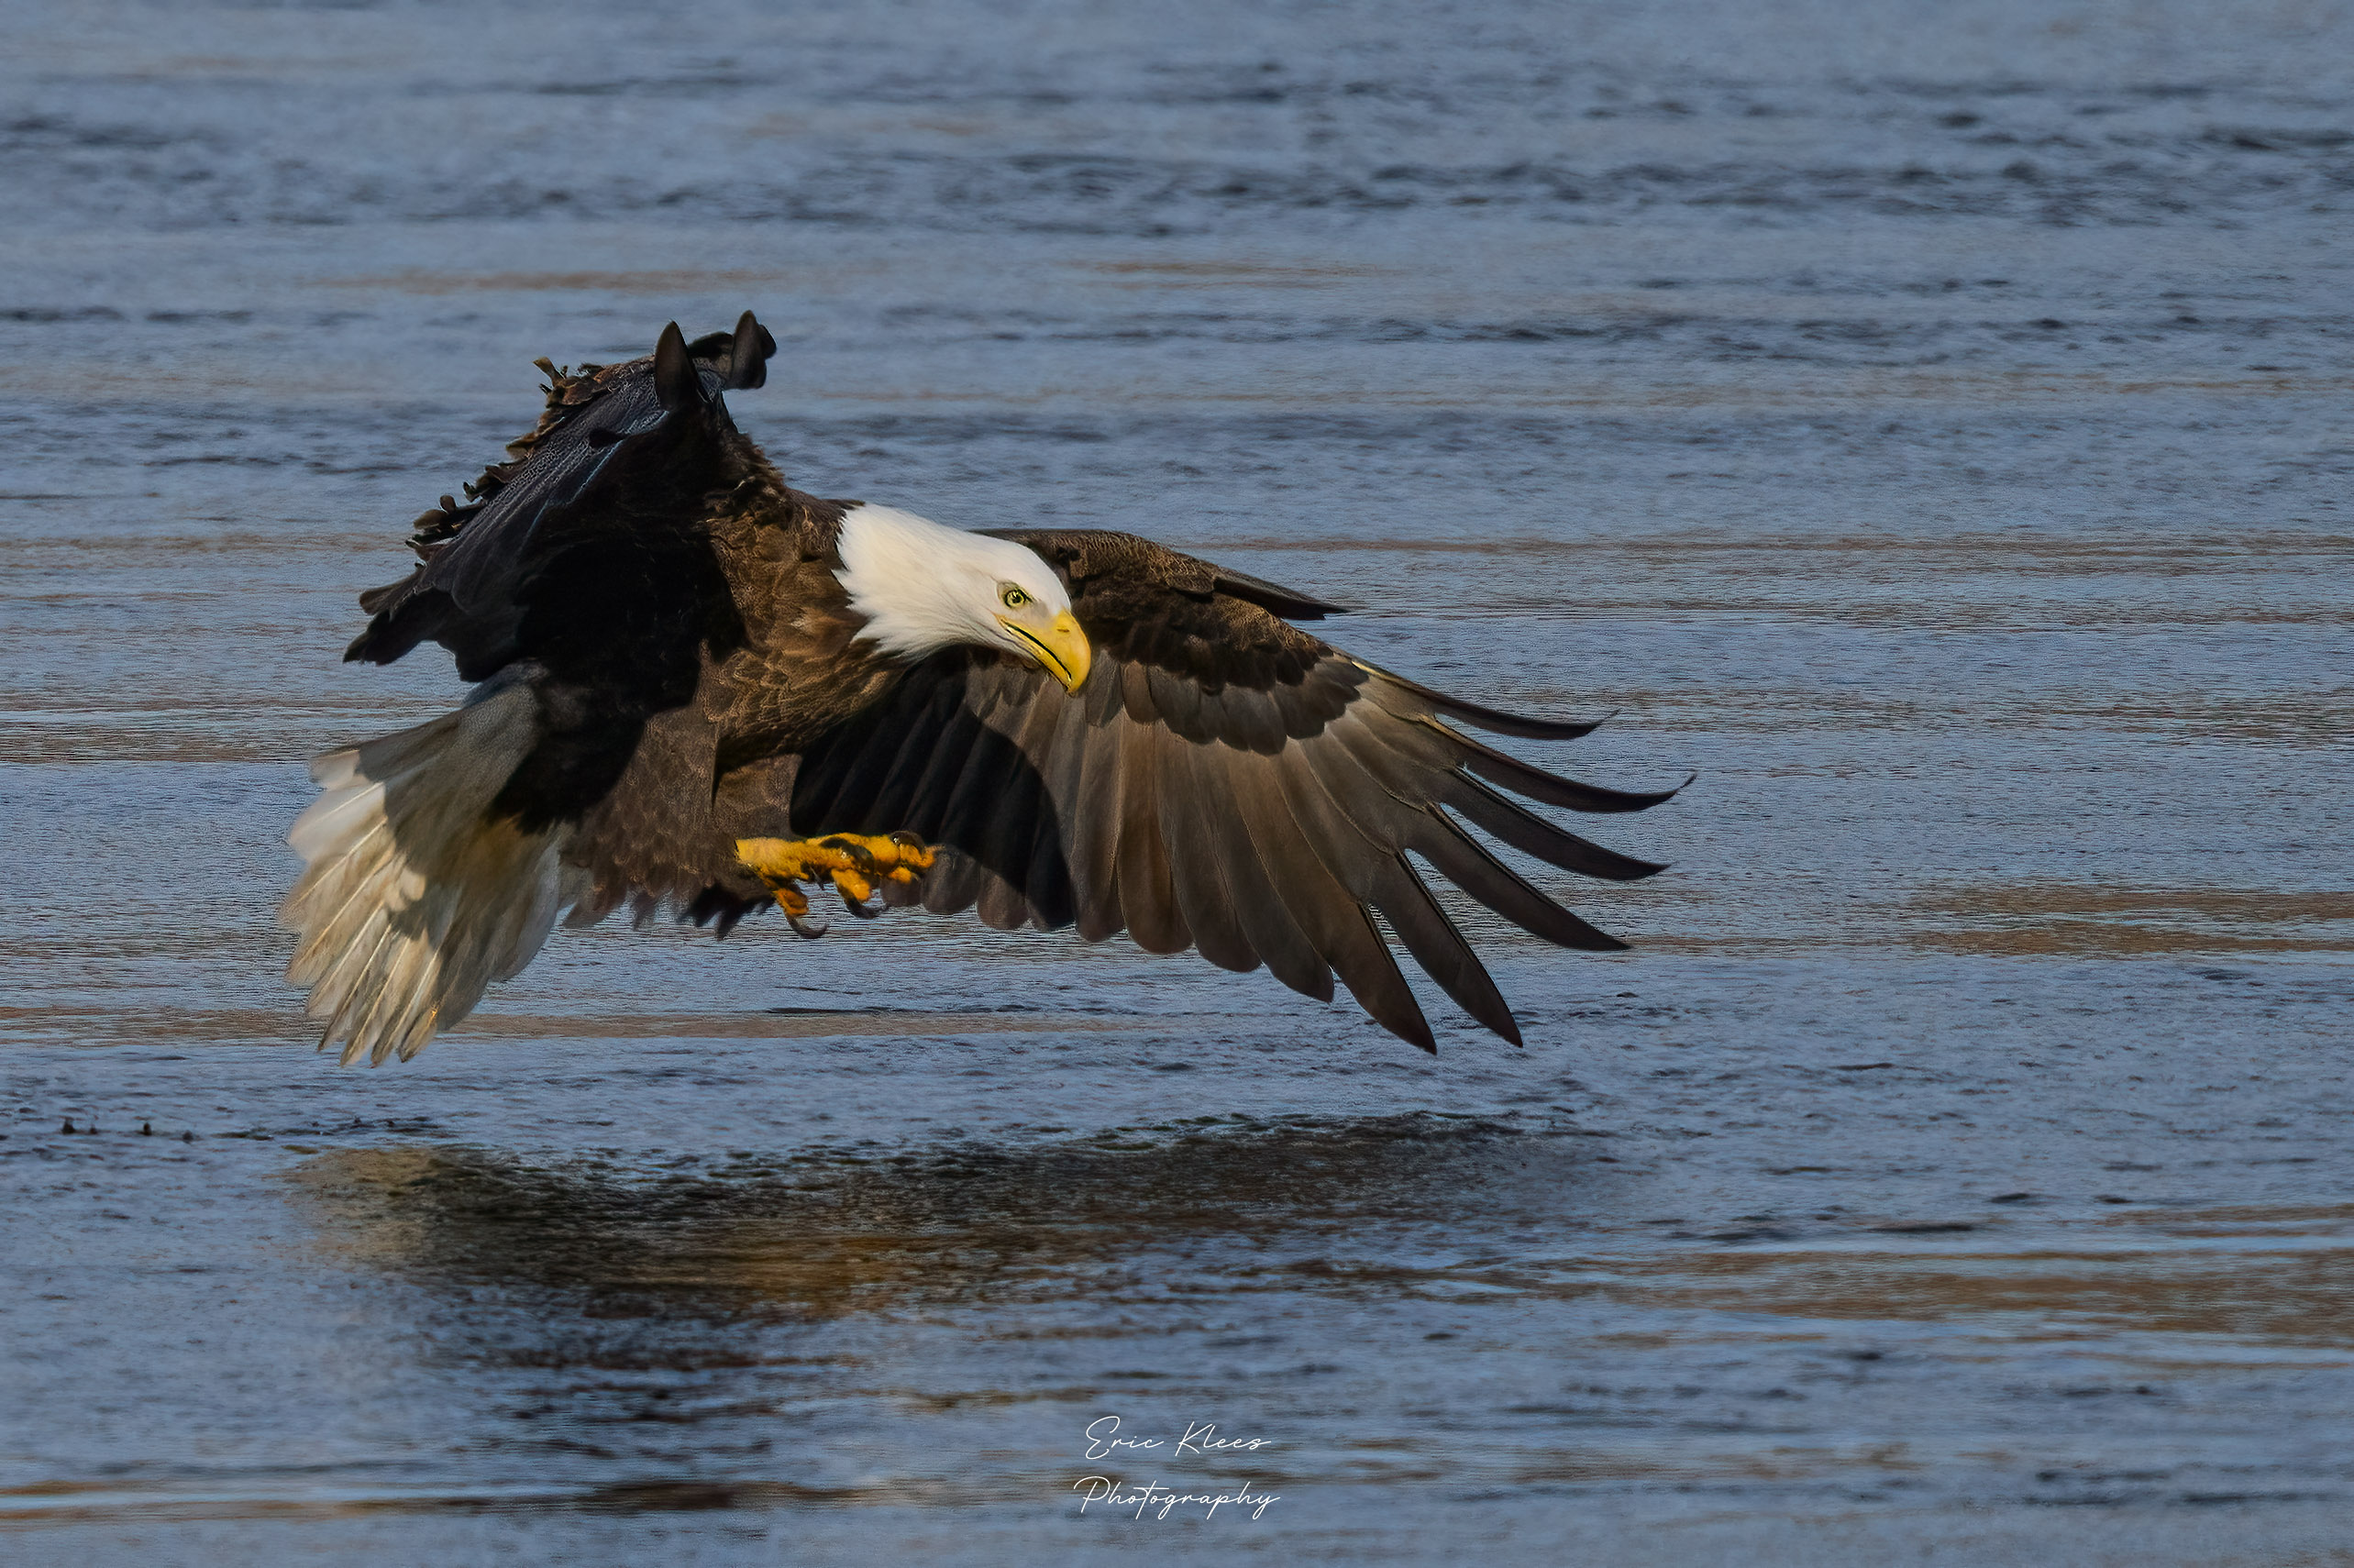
{"type": "Point", "coordinates": [855, 862]}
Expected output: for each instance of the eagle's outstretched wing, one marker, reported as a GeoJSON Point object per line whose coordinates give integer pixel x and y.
{"type": "Point", "coordinates": [1223, 782]}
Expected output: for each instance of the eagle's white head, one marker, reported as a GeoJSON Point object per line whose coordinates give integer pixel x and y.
{"type": "Point", "coordinates": [924, 587]}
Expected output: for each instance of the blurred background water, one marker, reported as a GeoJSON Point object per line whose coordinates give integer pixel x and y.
{"type": "Point", "coordinates": [1931, 425]}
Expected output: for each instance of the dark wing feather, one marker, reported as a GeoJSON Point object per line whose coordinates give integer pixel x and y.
{"type": "Point", "coordinates": [1223, 782]}
{"type": "Point", "coordinates": [597, 514]}
{"type": "Point", "coordinates": [591, 564]}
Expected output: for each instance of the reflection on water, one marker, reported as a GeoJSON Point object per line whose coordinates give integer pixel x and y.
{"type": "Point", "coordinates": [835, 1233]}
{"type": "Point", "coordinates": [832, 1233]}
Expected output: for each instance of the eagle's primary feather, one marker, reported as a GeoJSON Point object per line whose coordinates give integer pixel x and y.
{"type": "Point", "coordinates": [676, 651]}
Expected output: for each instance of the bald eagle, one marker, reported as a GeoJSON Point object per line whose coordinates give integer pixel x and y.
{"type": "Point", "coordinates": [698, 688]}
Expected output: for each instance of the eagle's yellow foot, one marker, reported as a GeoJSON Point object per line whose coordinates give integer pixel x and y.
{"type": "Point", "coordinates": [795, 903]}
{"type": "Point", "coordinates": [855, 862]}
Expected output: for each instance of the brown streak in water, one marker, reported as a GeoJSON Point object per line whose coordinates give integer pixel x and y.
{"type": "Point", "coordinates": [2259, 549]}
{"type": "Point", "coordinates": [2273, 1217]}
{"type": "Point", "coordinates": [2295, 1297]}
{"type": "Point", "coordinates": [2080, 898]}
{"type": "Point", "coordinates": [2301, 1298]}
{"type": "Point", "coordinates": [2089, 919]}
{"type": "Point", "coordinates": [2326, 714]}
{"type": "Point", "coordinates": [794, 1026]}
{"type": "Point", "coordinates": [2110, 941]}
{"type": "Point", "coordinates": [200, 744]}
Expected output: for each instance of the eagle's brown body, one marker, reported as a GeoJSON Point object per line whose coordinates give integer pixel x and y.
{"type": "Point", "coordinates": [696, 677]}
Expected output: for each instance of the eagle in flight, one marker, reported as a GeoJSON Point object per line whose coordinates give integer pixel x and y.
{"type": "Point", "coordinates": [699, 689]}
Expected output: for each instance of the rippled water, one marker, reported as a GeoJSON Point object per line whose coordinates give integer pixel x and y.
{"type": "Point", "coordinates": [1932, 427]}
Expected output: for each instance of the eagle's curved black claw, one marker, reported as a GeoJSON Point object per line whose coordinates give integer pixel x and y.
{"type": "Point", "coordinates": [864, 911]}
{"type": "Point", "coordinates": [805, 931]}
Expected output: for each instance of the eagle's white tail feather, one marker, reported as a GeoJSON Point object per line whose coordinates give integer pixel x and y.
{"type": "Point", "coordinates": [414, 899]}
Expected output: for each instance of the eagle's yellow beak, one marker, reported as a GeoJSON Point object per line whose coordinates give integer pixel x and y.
{"type": "Point", "coordinates": [1058, 646]}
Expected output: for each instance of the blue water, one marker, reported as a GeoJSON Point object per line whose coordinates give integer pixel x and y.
{"type": "Point", "coordinates": [1930, 426]}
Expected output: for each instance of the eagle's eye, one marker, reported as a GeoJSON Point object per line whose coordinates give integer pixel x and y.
{"type": "Point", "coordinates": [1014, 597]}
